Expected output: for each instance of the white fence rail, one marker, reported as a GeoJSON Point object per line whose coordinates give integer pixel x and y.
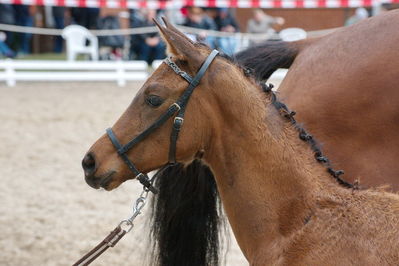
{"type": "Point", "coordinates": [12, 71]}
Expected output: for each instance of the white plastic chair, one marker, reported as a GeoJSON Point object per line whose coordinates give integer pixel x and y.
{"type": "Point", "coordinates": [292, 34]}
{"type": "Point", "coordinates": [76, 37]}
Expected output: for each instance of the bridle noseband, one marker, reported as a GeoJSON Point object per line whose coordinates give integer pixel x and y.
{"type": "Point", "coordinates": [178, 107]}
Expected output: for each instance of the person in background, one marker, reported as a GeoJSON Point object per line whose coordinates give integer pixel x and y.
{"type": "Point", "coordinates": [197, 19]}
{"type": "Point", "coordinates": [360, 14]}
{"type": "Point", "coordinates": [7, 16]}
{"type": "Point", "coordinates": [24, 17]}
{"type": "Point", "coordinates": [137, 18]}
{"type": "Point", "coordinates": [59, 23]}
{"type": "Point", "coordinates": [175, 15]}
{"type": "Point", "coordinates": [113, 42]}
{"type": "Point", "coordinates": [150, 47]}
{"type": "Point", "coordinates": [4, 49]}
{"type": "Point", "coordinates": [93, 14]}
{"type": "Point", "coordinates": [85, 16]}
{"type": "Point", "coordinates": [262, 23]}
{"type": "Point", "coordinates": [226, 22]}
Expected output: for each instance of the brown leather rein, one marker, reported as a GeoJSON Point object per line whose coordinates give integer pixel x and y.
{"type": "Point", "coordinates": [109, 241]}
{"type": "Point", "coordinates": [113, 237]}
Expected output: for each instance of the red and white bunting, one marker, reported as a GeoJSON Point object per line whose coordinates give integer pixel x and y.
{"type": "Point", "coordinates": [172, 4]}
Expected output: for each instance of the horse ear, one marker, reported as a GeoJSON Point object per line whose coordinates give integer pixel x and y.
{"type": "Point", "coordinates": [170, 49]}
{"type": "Point", "coordinates": [175, 30]}
{"type": "Point", "coordinates": [178, 45]}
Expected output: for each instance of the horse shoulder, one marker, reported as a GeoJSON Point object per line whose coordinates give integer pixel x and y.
{"type": "Point", "coordinates": [348, 229]}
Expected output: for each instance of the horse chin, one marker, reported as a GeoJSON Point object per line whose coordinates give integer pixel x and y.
{"type": "Point", "coordinates": [110, 182]}
{"type": "Point", "coordinates": [111, 186]}
{"type": "Point", "coordinates": [106, 181]}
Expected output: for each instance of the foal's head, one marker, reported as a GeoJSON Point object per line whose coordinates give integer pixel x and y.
{"type": "Point", "coordinates": [104, 167]}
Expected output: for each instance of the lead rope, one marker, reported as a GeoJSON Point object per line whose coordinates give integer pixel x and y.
{"type": "Point", "coordinates": [124, 227]}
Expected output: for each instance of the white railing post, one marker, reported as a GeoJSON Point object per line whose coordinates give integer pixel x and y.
{"type": "Point", "coordinates": [120, 72]}
{"type": "Point", "coordinates": [10, 73]}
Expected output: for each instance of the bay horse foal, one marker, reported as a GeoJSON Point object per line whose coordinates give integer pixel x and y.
{"type": "Point", "coordinates": [283, 206]}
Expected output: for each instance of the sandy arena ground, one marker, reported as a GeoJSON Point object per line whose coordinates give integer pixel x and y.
{"type": "Point", "coordinates": [48, 214]}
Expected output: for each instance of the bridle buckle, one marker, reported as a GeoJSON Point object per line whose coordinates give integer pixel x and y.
{"type": "Point", "coordinates": [178, 122]}
{"type": "Point", "coordinates": [177, 105]}
{"type": "Point", "coordinates": [140, 175]}
{"type": "Point", "coordinates": [146, 182]}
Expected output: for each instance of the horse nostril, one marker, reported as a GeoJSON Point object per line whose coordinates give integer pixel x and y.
{"type": "Point", "coordinates": [89, 164]}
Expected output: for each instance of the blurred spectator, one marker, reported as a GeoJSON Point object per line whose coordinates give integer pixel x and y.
{"type": "Point", "coordinates": [360, 14]}
{"type": "Point", "coordinates": [24, 17]}
{"type": "Point", "coordinates": [226, 22]}
{"type": "Point", "coordinates": [4, 49]}
{"type": "Point", "coordinates": [136, 20]}
{"type": "Point", "coordinates": [383, 8]}
{"type": "Point", "coordinates": [149, 46]}
{"type": "Point", "coordinates": [59, 23]}
{"type": "Point", "coordinates": [85, 16]}
{"type": "Point", "coordinates": [262, 23]}
{"type": "Point", "coordinates": [7, 16]}
{"type": "Point", "coordinates": [115, 42]}
{"type": "Point", "coordinates": [175, 16]}
{"type": "Point", "coordinates": [197, 19]}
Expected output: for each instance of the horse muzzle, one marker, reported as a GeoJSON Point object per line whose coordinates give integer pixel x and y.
{"type": "Point", "coordinates": [90, 167]}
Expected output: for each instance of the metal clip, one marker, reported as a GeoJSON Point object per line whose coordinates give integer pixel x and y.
{"type": "Point", "coordinates": [137, 207]}
{"type": "Point", "coordinates": [178, 122]}
{"type": "Point", "coordinates": [128, 223]}
{"type": "Point", "coordinates": [137, 176]}
{"type": "Point", "coordinates": [177, 105]}
{"type": "Point", "coordinates": [140, 203]}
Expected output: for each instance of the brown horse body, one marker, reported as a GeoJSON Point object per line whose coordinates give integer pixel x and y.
{"type": "Point", "coordinates": [284, 208]}
{"type": "Point", "coordinates": [344, 87]}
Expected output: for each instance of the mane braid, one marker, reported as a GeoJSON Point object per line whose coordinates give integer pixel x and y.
{"type": "Point", "coordinates": [288, 114]}
{"type": "Point", "coordinates": [303, 135]}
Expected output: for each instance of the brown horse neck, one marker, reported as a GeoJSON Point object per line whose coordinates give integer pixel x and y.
{"type": "Point", "coordinates": [267, 178]}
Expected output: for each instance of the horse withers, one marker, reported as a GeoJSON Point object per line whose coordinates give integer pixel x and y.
{"type": "Point", "coordinates": [283, 206]}
{"type": "Point", "coordinates": [344, 87]}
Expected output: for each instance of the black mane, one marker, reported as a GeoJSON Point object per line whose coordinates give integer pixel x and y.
{"type": "Point", "coordinates": [186, 217]}
{"type": "Point", "coordinates": [265, 58]}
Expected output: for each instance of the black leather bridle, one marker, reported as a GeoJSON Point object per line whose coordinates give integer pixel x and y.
{"type": "Point", "coordinates": [178, 107]}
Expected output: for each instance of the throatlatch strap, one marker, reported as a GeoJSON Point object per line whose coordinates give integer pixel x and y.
{"type": "Point", "coordinates": [177, 124]}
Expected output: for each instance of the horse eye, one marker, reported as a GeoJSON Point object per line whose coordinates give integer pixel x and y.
{"type": "Point", "coordinates": [154, 100]}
